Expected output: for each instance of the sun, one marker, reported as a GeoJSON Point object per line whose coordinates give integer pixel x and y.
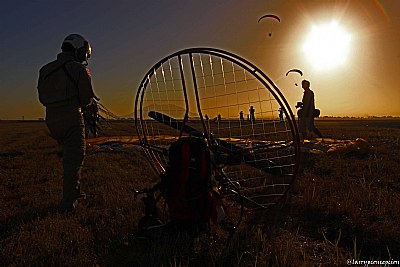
{"type": "Point", "coordinates": [327, 46]}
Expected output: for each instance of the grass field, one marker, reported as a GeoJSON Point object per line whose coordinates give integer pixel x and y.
{"type": "Point", "coordinates": [340, 207]}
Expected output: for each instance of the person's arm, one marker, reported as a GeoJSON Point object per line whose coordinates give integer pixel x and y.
{"type": "Point", "coordinates": [86, 93]}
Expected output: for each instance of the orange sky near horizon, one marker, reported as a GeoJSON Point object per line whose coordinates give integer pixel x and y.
{"type": "Point", "coordinates": [128, 38]}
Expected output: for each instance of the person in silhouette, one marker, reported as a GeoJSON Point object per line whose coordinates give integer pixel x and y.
{"type": "Point", "coordinates": [281, 114]}
{"type": "Point", "coordinates": [65, 89]}
{"type": "Point", "coordinates": [241, 118]}
{"type": "Point", "coordinates": [306, 113]}
{"type": "Point", "coordinates": [252, 116]}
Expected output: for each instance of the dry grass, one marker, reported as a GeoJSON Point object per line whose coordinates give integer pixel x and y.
{"type": "Point", "coordinates": [340, 207]}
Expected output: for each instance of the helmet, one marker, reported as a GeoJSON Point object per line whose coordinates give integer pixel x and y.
{"type": "Point", "coordinates": [80, 44]}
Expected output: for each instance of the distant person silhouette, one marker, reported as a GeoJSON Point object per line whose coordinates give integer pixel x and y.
{"type": "Point", "coordinates": [241, 118]}
{"type": "Point", "coordinates": [280, 114]}
{"type": "Point", "coordinates": [252, 116]}
{"type": "Point", "coordinates": [306, 113]}
{"type": "Point", "coordinates": [65, 89]}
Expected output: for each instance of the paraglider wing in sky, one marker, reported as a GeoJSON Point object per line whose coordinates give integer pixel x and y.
{"type": "Point", "coordinates": [269, 16]}
{"type": "Point", "coordinates": [294, 70]}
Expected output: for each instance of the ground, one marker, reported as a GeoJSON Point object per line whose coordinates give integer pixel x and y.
{"type": "Point", "coordinates": [341, 206]}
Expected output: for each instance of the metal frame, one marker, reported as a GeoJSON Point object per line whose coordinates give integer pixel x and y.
{"type": "Point", "coordinates": [246, 65]}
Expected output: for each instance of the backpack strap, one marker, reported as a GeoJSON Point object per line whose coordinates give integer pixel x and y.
{"type": "Point", "coordinates": [69, 75]}
{"type": "Point", "coordinates": [56, 69]}
{"type": "Point", "coordinates": [65, 71]}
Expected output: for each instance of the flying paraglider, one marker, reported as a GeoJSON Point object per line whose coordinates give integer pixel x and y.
{"type": "Point", "coordinates": [269, 16]}
{"type": "Point", "coordinates": [294, 70]}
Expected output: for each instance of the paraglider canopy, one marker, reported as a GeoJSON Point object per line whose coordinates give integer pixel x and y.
{"type": "Point", "coordinates": [269, 16]}
{"type": "Point", "coordinates": [294, 70]}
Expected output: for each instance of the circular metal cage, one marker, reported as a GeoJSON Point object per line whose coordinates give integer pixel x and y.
{"type": "Point", "coordinates": [243, 115]}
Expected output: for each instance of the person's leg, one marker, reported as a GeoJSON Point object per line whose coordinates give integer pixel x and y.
{"type": "Point", "coordinates": [317, 132]}
{"type": "Point", "coordinates": [303, 128]}
{"type": "Point", "coordinates": [73, 157]}
{"type": "Point", "coordinates": [312, 128]}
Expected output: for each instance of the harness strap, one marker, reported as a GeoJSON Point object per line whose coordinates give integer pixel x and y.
{"type": "Point", "coordinates": [69, 75]}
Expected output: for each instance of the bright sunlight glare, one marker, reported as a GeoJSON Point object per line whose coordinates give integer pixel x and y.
{"type": "Point", "coordinates": [327, 46]}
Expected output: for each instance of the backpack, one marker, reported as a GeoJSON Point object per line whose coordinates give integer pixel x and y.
{"type": "Point", "coordinates": [53, 89]}
{"type": "Point", "coordinates": [187, 183]}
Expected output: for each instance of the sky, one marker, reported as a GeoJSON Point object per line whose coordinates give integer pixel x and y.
{"type": "Point", "coordinates": [129, 36]}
